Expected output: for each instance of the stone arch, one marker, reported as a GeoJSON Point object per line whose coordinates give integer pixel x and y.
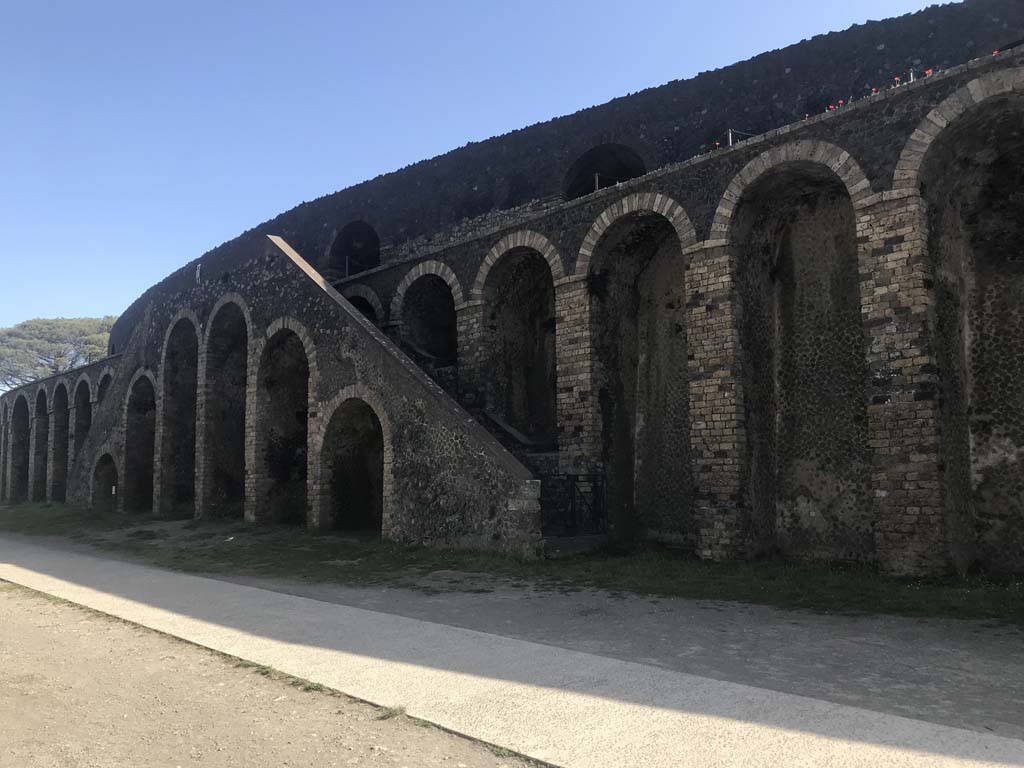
{"type": "Point", "coordinates": [817, 153]}
{"type": "Point", "coordinates": [285, 404]}
{"type": "Point", "coordinates": [103, 382]}
{"type": "Point", "coordinates": [430, 267]}
{"type": "Point", "coordinates": [5, 448]}
{"type": "Point", "coordinates": [83, 399]}
{"type": "Point", "coordinates": [969, 176]}
{"type": "Point", "coordinates": [139, 419]}
{"type": "Point", "coordinates": [524, 238]}
{"type": "Point", "coordinates": [40, 444]}
{"type": "Point", "coordinates": [633, 261]}
{"type": "Point", "coordinates": [354, 249]}
{"type": "Point", "coordinates": [365, 299]}
{"type": "Point", "coordinates": [600, 167]}
{"type": "Point", "coordinates": [103, 483]}
{"type": "Point", "coordinates": [176, 415]}
{"type": "Point", "coordinates": [354, 463]}
{"type": "Point", "coordinates": [516, 290]}
{"type": "Point", "coordinates": [20, 447]}
{"type": "Point", "coordinates": [425, 307]}
{"type": "Point", "coordinates": [638, 203]}
{"type": "Point", "coordinates": [908, 168]}
{"type": "Point", "coordinates": [61, 426]}
{"type": "Point", "coordinates": [293, 325]}
{"type": "Point", "coordinates": [224, 403]}
{"type": "Point", "coordinates": [789, 223]}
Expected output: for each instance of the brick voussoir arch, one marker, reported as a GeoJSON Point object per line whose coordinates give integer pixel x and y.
{"type": "Point", "coordinates": [821, 153]}
{"type": "Point", "coordinates": [183, 314]}
{"type": "Point", "coordinates": [105, 450]}
{"type": "Point", "coordinates": [523, 238]}
{"type": "Point", "coordinates": [223, 301]}
{"type": "Point", "coordinates": [319, 435]}
{"type": "Point", "coordinates": [640, 202]}
{"type": "Point", "coordinates": [430, 267]}
{"type": "Point", "coordinates": [141, 373]}
{"type": "Point", "coordinates": [293, 325]}
{"type": "Point", "coordinates": [369, 295]}
{"type": "Point", "coordinates": [908, 168]}
{"type": "Point", "coordinates": [88, 382]}
{"type": "Point", "coordinates": [44, 388]}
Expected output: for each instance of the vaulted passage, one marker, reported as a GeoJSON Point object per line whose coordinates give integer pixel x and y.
{"type": "Point", "coordinates": [5, 450]}
{"type": "Point", "coordinates": [227, 359]}
{"type": "Point", "coordinates": [104, 485]}
{"type": "Point", "coordinates": [638, 311]}
{"type": "Point", "coordinates": [83, 414]}
{"type": "Point", "coordinates": [20, 446]}
{"type": "Point", "coordinates": [353, 469]}
{"type": "Point", "coordinates": [808, 463]}
{"type": "Point", "coordinates": [972, 182]}
{"type": "Point", "coordinates": [41, 446]}
{"type": "Point", "coordinates": [428, 320]}
{"type": "Point", "coordinates": [365, 308]}
{"type": "Point", "coordinates": [600, 167]}
{"type": "Point", "coordinates": [178, 451]}
{"type": "Point", "coordinates": [355, 249]}
{"type": "Point", "coordinates": [139, 444]}
{"type": "Point", "coordinates": [282, 430]}
{"type": "Point", "coordinates": [61, 423]}
{"type": "Point", "coordinates": [519, 343]}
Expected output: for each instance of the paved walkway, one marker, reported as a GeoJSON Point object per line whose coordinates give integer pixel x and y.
{"type": "Point", "coordinates": [564, 706]}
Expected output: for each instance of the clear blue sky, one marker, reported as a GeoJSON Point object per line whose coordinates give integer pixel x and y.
{"type": "Point", "coordinates": [136, 135]}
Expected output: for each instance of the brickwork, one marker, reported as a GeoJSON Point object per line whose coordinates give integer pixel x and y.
{"type": "Point", "coordinates": [717, 437]}
{"type": "Point", "coordinates": [225, 401]}
{"type": "Point", "coordinates": [174, 457]}
{"type": "Point", "coordinates": [804, 345]}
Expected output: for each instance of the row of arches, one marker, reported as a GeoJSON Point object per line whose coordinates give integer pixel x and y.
{"type": "Point", "coordinates": [241, 385]}
{"type": "Point", "coordinates": [788, 229]}
{"type": "Point", "coordinates": [789, 226]}
{"type": "Point", "coordinates": [40, 439]}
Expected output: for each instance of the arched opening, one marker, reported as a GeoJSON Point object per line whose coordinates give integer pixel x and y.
{"type": "Point", "coordinates": [519, 343]}
{"type": "Point", "coordinates": [139, 444]}
{"type": "Point", "coordinates": [178, 451]}
{"type": "Point", "coordinates": [971, 181]}
{"type": "Point", "coordinates": [104, 485]}
{"type": "Point", "coordinates": [804, 353]}
{"type": "Point", "coordinates": [428, 320]}
{"type": "Point", "coordinates": [83, 414]}
{"type": "Point", "coordinates": [104, 387]}
{"type": "Point", "coordinates": [61, 423]}
{"type": "Point", "coordinates": [41, 446]}
{"type": "Point", "coordinates": [638, 325]}
{"type": "Point", "coordinates": [21, 426]}
{"type": "Point", "coordinates": [355, 249]}
{"type": "Point", "coordinates": [283, 414]}
{"type": "Point", "coordinates": [227, 362]}
{"type": "Point", "coordinates": [365, 307]}
{"type": "Point", "coordinates": [5, 450]}
{"type": "Point", "coordinates": [353, 469]}
{"type": "Point", "coordinates": [603, 166]}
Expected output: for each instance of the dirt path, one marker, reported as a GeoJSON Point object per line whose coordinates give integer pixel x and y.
{"type": "Point", "coordinates": [82, 690]}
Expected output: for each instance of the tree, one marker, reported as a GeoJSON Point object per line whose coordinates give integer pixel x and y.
{"type": "Point", "coordinates": [39, 348]}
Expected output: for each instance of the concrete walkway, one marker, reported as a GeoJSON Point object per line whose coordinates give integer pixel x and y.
{"type": "Point", "coordinates": [564, 706]}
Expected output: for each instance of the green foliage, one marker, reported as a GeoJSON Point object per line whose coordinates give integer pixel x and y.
{"type": "Point", "coordinates": [39, 348]}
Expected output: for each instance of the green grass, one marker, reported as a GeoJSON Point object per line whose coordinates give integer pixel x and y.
{"type": "Point", "coordinates": [236, 548]}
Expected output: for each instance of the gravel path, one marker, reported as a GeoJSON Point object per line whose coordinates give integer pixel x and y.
{"type": "Point", "coordinates": [79, 689]}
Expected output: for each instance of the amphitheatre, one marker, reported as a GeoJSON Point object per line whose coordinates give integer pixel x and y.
{"type": "Point", "coordinates": [616, 325]}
